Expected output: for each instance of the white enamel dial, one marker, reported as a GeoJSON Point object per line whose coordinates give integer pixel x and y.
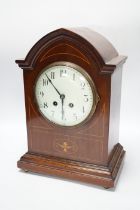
{"type": "Point", "coordinates": [64, 95]}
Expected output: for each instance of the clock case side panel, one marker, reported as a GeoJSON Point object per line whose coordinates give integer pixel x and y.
{"type": "Point", "coordinates": [115, 105]}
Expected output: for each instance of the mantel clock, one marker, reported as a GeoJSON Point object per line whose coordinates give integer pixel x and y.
{"type": "Point", "coordinates": [72, 83]}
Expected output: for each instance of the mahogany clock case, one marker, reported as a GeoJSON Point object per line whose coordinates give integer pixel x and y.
{"type": "Point", "coordinates": [84, 152]}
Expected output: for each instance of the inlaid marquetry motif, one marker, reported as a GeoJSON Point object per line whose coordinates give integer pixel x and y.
{"type": "Point", "coordinates": [61, 49]}
{"type": "Point", "coordinates": [65, 146]}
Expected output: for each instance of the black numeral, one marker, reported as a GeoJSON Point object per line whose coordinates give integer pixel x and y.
{"type": "Point", "coordinates": [86, 98]}
{"type": "Point", "coordinates": [82, 85]}
{"type": "Point", "coordinates": [73, 77]}
{"type": "Point", "coordinates": [45, 82]}
{"type": "Point", "coordinates": [62, 72]}
{"type": "Point", "coordinates": [83, 109]}
{"type": "Point", "coordinates": [75, 116]}
{"type": "Point", "coordinates": [45, 105]}
{"type": "Point", "coordinates": [41, 93]}
{"type": "Point", "coordinates": [52, 75]}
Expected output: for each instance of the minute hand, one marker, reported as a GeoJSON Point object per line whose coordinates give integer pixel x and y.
{"type": "Point", "coordinates": [62, 100]}
{"type": "Point", "coordinates": [53, 85]}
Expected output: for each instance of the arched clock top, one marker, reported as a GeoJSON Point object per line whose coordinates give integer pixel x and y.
{"type": "Point", "coordinates": [86, 44]}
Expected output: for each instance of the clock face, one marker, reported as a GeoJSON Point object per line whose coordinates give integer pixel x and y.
{"type": "Point", "coordinates": [65, 94]}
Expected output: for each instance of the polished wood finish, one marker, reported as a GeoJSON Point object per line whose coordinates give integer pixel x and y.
{"type": "Point", "coordinates": [87, 156]}
{"type": "Point", "coordinates": [94, 174]}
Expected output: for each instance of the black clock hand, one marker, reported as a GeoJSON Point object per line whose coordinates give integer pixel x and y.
{"type": "Point", "coordinates": [62, 100]}
{"type": "Point", "coordinates": [62, 96]}
{"type": "Point", "coordinates": [53, 85]}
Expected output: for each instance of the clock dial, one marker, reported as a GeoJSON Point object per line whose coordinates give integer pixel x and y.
{"type": "Point", "coordinates": [64, 94]}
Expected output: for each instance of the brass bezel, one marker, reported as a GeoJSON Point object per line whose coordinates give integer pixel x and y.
{"type": "Point", "coordinates": [88, 78]}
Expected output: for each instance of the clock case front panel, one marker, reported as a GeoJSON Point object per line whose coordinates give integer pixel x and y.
{"type": "Point", "coordinates": [85, 144]}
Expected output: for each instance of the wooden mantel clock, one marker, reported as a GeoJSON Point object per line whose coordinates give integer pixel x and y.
{"type": "Point", "coordinates": [72, 81]}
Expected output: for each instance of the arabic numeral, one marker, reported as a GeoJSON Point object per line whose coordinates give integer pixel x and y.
{"type": "Point", "coordinates": [82, 85]}
{"type": "Point", "coordinates": [52, 75]}
{"type": "Point", "coordinates": [45, 105]}
{"type": "Point", "coordinates": [86, 99]}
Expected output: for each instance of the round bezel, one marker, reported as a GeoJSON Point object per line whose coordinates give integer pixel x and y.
{"type": "Point", "coordinates": [87, 77]}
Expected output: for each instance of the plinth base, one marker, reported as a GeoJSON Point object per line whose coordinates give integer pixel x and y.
{"type": "Point", "coordinates": [105, 176]}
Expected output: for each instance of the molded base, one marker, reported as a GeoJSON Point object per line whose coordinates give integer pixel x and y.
{"type": "Point", "coordinates": [105, 176]}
